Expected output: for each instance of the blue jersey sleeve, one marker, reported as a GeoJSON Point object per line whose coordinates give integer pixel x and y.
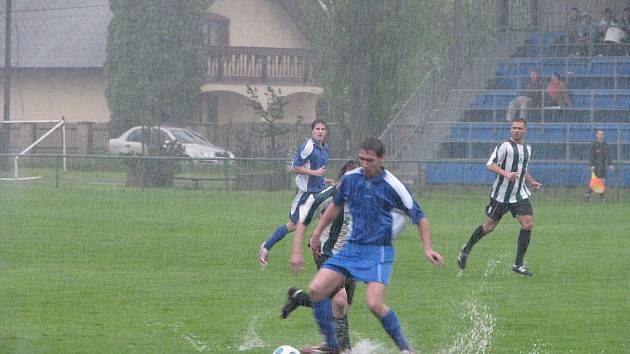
{"type": "Point", "coordinates": [303, 153]}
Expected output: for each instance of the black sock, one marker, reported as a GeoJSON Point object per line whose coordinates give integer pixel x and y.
{"type": "Point", "coordinates": [341, 331]}
{"type": "Point", "coordinates": [474, 238]}
{"type": "Point", "coordinates": [302, 299]}
{"type": "Point", "coordinates": [523, 242]}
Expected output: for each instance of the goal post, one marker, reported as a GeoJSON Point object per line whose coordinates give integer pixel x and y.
{"type": "Point", "coordinates": [58, 124]}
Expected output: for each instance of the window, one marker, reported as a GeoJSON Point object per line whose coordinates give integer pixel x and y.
{"type": "Point", "coordinates": [217, 30]}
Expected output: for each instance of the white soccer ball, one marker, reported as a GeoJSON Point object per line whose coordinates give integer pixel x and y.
{"type": "Point", "coordinates": [286, 349]}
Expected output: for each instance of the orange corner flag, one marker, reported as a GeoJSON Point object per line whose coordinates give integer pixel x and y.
{"type": "Point", "coordinates": [596, 184]}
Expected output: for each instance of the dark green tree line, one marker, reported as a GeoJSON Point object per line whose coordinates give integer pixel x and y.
{"type": "Point", "coordinates": [155, 61]}
{"type": "Point", "coordinates": [374, 54]}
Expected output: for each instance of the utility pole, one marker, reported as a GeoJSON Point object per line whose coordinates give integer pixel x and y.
{"type": "Point", "coordinates": [6, 138]}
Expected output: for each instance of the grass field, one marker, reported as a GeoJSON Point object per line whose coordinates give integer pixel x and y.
{"type": "Point", "coordinates": [98, 269]}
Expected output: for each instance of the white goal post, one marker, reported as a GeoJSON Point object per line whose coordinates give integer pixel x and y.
{"type": "Point", "coordinates": [57, 125]}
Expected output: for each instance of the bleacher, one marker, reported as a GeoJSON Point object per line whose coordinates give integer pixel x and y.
{"type": "Point", "coordinates": [561, 138]}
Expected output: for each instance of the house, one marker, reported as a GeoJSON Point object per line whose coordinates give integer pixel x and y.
{"type": "Point", "coordinates": [59, 50]}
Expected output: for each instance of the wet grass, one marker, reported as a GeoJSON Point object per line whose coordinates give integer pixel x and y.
{"type": "Point", "coordinates": [104, 269]}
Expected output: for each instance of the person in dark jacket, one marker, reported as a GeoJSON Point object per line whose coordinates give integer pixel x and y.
{"type": "Point", "coordinates": [600, 160]}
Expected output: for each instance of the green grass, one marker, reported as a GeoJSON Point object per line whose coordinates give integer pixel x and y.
{"type": "Point", "coordinates": [98, 269]}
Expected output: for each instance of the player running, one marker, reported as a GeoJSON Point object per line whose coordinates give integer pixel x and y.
{"type": "Point", "coordinates": [309, 164]}
{"type": "Point", "coordinates": [509, 161]}
{"type": "Point", "coordinates": [371, 193]}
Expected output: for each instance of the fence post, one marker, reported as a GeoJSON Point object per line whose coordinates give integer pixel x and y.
{"type": "Point", "coordinates": [57, 172]}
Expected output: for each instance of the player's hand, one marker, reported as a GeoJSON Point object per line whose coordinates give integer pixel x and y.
{"type": "Point", "coordinates": [536, 185]}
{"type": "Point", "coordinates": [512, 176]}
{"type": "Point", "coordinates": [320, 171]}
{"type": "Point", "coordinates": [434, 257]}
{"type": "Point", "coordinates": [316, 244]}
{"type": "Point", "coordinates": [297, 263]}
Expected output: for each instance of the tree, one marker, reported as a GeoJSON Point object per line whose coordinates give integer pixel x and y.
{"type": "Point", "coordinates": [155, 61]}
{"type": "Point", "coordinates": [374, 53]}
{"type": "Point", "coordinates": [270, 111]}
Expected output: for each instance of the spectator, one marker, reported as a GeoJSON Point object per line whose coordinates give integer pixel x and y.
{"type": "Point", "coordinates": [606, 22]}
{"type": "Point", "coordinates": [574, 24]}
{"type": "Point", "coordinates": [586, 33]}
{"type": "Point", "coordinates": [625, 27]}
{"type": "Point", "coordinates": [530, 96]}
{"type": "Point", "coordinates": [557, 93]}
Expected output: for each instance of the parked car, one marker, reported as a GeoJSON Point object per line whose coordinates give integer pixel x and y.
{"type": "Point", "coordinates": [195, 145]}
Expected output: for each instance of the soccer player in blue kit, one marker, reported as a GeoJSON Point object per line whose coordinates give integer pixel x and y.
{"type": "Point", "coordinates": [309, 163]}
{"type": "Point", "coordinates": [372, 193]}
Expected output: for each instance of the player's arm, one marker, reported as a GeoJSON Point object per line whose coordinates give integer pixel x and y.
{"type": "Point", "coordinates": [497, 157]}
{"type": "Point", "coordinates": [532, 182]}
{"type": "Point", "coordinates": [425, 235]}
{"type": "Point", "coordinates": [297, 259]}
{"type": "Point", "coordinates": [306, 171]}
{"type": "Point", "coordinates": [501, 172]}
{"type": "Point", "coordinates": [331, 212]}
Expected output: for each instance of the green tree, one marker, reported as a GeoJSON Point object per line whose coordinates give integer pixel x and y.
{"type": "Point", "coordinates": [374, 54]}
{"type": "Point", "coordinates": [270, 111]}
{"type": "Point", "coordinates": [155, 61]}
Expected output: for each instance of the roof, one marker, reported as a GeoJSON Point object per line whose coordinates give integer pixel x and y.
{"type": "Point", "coordinates": [295, 11]}
{"type": "Point", "coordinates": [72, 33]}
{"type": "Point", "coordinates": [57, 33]}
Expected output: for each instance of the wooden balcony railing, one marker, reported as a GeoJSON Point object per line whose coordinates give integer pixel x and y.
{"type": "Point", "coordinates": [253, 65]}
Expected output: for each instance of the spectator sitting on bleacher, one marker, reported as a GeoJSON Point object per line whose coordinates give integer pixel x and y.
{"type": "Point", "coordinates": [557, 93]}
{"type": "Point", "coordinates": [586, 33]}
{"type": "Point", "coordinates": [530, 96]}
{"type": "Point", "coordinates": [606, 22]}
{"type": "Point", "coordinates": [625, 27]}
{"type": "Point", "coordinates": [574, 24]}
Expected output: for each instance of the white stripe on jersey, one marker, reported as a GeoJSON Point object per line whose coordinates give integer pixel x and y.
{"type": "Point", "coordinates": [301, 181]}
{"type": "Point", "coordinates": [503, 190]}
{"type": "Point", "coordinates": [400, 189]}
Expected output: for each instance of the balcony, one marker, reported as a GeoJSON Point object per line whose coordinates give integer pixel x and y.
{"type": "Point", "coordinates": [255, 65]}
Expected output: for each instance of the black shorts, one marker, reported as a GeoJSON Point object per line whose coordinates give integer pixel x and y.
{"type": "Point", "coordinates": [495, 210]}
{"type": "Point", "coordinates": [349, 284]}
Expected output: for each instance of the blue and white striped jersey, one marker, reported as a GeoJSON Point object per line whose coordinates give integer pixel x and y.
{"type": "Point", "coordinates": [372, 203]}
{"type": "Point", "coordinates": [511, 157]}
{"type": "Point", "coordinates": [312, 156]}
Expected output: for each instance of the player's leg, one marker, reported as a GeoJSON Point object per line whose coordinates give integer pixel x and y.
{"type": "Point", "coordinates": [344, 298]}
{"type": "Point", "coordinates": [525, 217]}
{"type": "Point", "coordinates": [265, 247]}
{"type": "Point", "coordinates": [494, 213]}
{"type": "Point", "coordinates": [321, 287]}
{"type": "Point", "coordinates": [375, 296]}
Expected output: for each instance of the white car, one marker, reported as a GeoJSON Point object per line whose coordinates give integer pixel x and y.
{"type": "Point", "coordinates": [195, 145]}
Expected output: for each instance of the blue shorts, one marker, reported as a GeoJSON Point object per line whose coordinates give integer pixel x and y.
{"type": "Point", "coordinates": [367, 263]}
{"type": "Point", "coordinates": [299, 200]}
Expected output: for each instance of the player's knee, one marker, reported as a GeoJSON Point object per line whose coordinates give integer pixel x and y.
{"type": "Point", "coordinates": [529, 225]}
{"type": "Point", "coordinates": [377, 308]}
{"type": "Point", "coordinates": [315, 293]}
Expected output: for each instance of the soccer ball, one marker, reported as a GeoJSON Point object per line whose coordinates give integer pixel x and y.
{"type": "Point", "coordinates": [286, 349]}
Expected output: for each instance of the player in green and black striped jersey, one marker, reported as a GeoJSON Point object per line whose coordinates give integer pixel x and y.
{"type": "Point", "coordinates": [332, 240]}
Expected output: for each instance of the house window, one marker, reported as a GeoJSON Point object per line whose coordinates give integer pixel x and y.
{"type": "Point", "coordinates": [217, 30]}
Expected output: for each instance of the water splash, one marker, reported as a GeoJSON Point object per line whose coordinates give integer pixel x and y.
{"type": "Point", "coordinates": [251, 339]}
{"type": "Point", "coordinates": [478, 338]}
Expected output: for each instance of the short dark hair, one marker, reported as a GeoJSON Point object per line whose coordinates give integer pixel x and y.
{"type": "Point", "coordinates": [349, 165]}
{"type": "Point", "coordinates": [520, 120]}
{"type": "Point", "coordinates": [318, 121]}
{"type": "Point", "coordinates": [373, 144]}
